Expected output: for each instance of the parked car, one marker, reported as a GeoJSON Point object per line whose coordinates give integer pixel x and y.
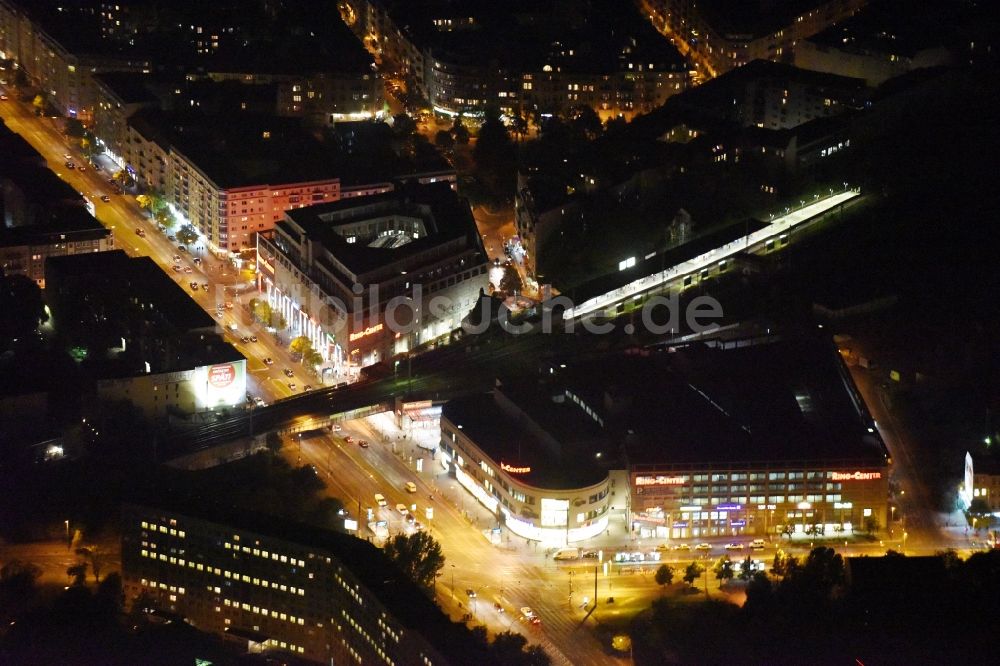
{"type": "Point", "coordinates": [177, 269]}
{"type": "Point", "coordinates": [70, 165]}
{"type": "Point", "coordinates": [757, 544]}
{"type": "Point", "coordinates": [197, 260]}
{"type": "Point", "coordinates": [363, 443]}
{"type": "Point", "coordinates": [105, 198]}
{"type": "Point", "coordinates": [194, 286]}
{"type": "Point", "coordinates": [682, 546]}
{"type": "Point", "coordinates": [703, 546]}
{"type": "Point", "coordinates": [253, 338]}
{"type": "Point", "coordinates": [291, 386]}
{"type": "Point", "coordinates": [734, 546]}
{"type": "Point", "coordinates": [268, 361]}
{"type": "Point", "coordinates": [188, 269]}
{"type": "Point", "coordinates": [288, 373]}
{"type": "Point", "coordinates": [402, 509]}
{"type": "Point", "coordinates": [181, 248]}
{"type": "Point", "coordinates": [307, 387]}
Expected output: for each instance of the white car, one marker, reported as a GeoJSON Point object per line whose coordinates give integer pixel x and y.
{"type": "Point", "coordinates": [402, 509]}
{"type": "Point", "coordinates": [380, 499]}
{"type": "Point", "coordinates": [703, 546]}
{"type": "Point", "coordinates": [734, 546]}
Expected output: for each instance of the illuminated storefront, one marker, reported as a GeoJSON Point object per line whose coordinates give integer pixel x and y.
{"type": "Point", "coordinates": [796, 499]}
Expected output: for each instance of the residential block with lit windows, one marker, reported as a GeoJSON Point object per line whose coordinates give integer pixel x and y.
{"type": "Point", "coordinates": [279, 586]}
{"type": "Point", "coordinates": [459, 56]}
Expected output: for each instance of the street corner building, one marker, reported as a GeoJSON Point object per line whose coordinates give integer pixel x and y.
{"type": "Point", "coordinates": [739, 438]}
{"type": "Point", "coordinates": [343, 273]}
{"type": "Point", "coordinates": [144, 339]}
{"type": "Point", "coordinates": [280, 588]}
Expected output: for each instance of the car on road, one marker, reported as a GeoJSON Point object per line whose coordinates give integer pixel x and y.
{"type": "Point", "coordinates": [336, 427]}
{"type": "Point", "coordinates": [244, 339]}
{"type": "Point", "coordinates": [590, 555]}
{"type": "Point", "coordinates": [205, 287]}
{"type": "Point", "coordinates": [349, 439]}
{"type": "Point", "coordinates": [498, 607]}
{"type": "Point", "coordinates": [188, 269]}
{"type": "Point", "coordinates": [81, 168]}
{"type": "Point", "coordinates": [363, 443]}
{"type": "Point", "coordinates": [529, 615]}
{"type": "Point", "coordinates": [757, 544]}
{"type": "Point", "coordinates": [70, 165]}
{"type": "Point", "coordinates": [291, 386]}
{"type": "Point", "coordinates": [140, 233]}
{"type": "Point", "coordinates": [3, 98]}
{"type": "Point", "coordinates": [470, 593]}
{"type": "Point", "coordinates": [177, 269]}
{"type": "Point", "coordinates": [307, 387]}
{"type": "Point", "coordinates": [734, 546]}
{"type": "Point", "coordinates": [68, 157]}
{"type": "Point", "coordinates": [105, 198]}
{"type": "Point", "coordinates": [417, 526]}
{"type": "Point", "coordinates": [229, 305]}
{"type": "Point", "coordinates": [410, 519]}
{"type": "Point", "coordinates": [194, 286]}
{"type": "Point", "coordinates": [288, 373]}
{"type": "Point", "coordinates": [259, 401]}
{"type": "Point", "coordinates": [402, 509]}
{"type": "Point", "coordinates": [197, 260]}
{"type": "Point", "coordinates": [703, 546]}
{"type": "Point", "coordinates": [682, 546]}
{"type": "Point", "coordinates": [171, 238]}
{"type": "Point", "coordinates": [380, 499]}
{"type": "Point", "coordinates": [410, 487]}
{"type": "Point", "coordinates": [181, 248]}
{"type": "Point", "coordinates": [268, 361]}
{"type": "Point", "coordinates": [253, 338]}
{"type": "Point", "coordinates": [177, 258]}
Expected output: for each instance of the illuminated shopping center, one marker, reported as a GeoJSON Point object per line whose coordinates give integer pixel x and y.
{"type": "Point", "coordinates": [717, 439]}
{"type": "Point", "coordinates": [526, 455]}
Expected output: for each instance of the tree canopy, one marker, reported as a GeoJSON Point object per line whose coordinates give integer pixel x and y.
{"type": "Point", "coordinates": [417, 555]}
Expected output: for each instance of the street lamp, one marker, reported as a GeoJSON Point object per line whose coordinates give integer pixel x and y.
{"type": "Point", "coordinates": [67, 532]}
{"type": "Point", "coordinates": [905, 534]}
{"type": "Point", "coordinates": [453, 582]}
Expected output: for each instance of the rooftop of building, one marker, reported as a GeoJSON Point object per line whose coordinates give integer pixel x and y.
{"type": "Point", "coordinates": [896, 28]}
{"type": "Point", "coordinates": [56, 225]}
{"type": "Point", "coordinates": [113, 275]}
{"type": "Point", "coordinates": [16, 150]}
{"type": "Point", "coordinates": [247, 150]}
{"type": "Point", "coordinates": [398, 594]}
{"type": "Point", "coordinates": [327, 47]}
{"type": "Point", "coordinates": [505, 425]}
{"type": "Point", "coordinates": [599, 36]}
{"type": "Point", "coordinates": [754, 18]}
{"type": "Point", "coordinates": [444, 217]}
{"type": "Point", "coordinates": [781, 400]}
{"type": "Point", "coordinates": [128, 87]}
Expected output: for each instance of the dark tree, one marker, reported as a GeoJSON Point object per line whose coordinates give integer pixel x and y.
{"type": "Point", "coordinates": [273, 441]}
{"type": "Point", "coordinates": [417, 555]}
{"type": "Point", "coordinates": [403, 125]}
{"type": "Point", "coordinates": [78, 572]}
{"type": "Point", "coordinates": [495, 155]}
{"type": "Point", "coordinates": [723, 569]}
{"type": "Point", "coordinates": [692, 572]}
{"type": "Point", "coordinates": [511, 281]}
{"type": "Point", "coordinates": [18, 586]}
{"type": "Point", "coordinates": [586, 121]}
{"type": "Point", "coordinates": [74, 128]}
{"type": "Point", "coordinates": [664, 575]}
{"type": "Point", "coordinates": [444, 140]}
{"type": "Point", "coordinates": [22, 309]}
{"type": "Point", "coordinates": [460, 132]}
{"type": "Point", "coordinates": [746, 569]}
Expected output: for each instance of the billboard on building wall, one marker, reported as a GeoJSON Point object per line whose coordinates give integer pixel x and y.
{"type": "Point", "coordinates": [221, 385]}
